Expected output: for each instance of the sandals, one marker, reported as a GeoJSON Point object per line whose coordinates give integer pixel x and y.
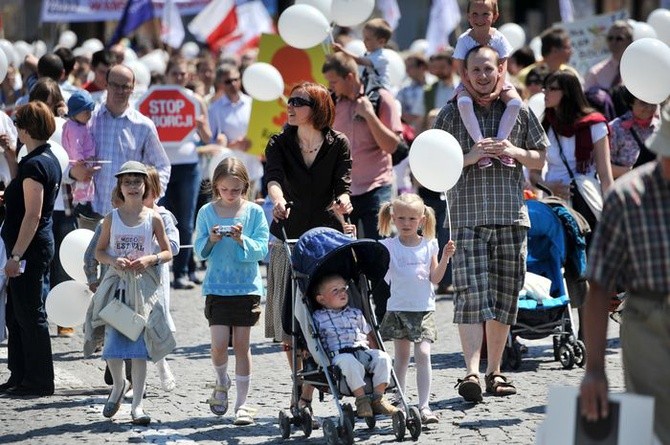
{"type": "Point", "coordinates": [498, 385]}
{"type": "Point", "coordinates": [469, 388]}
{"type": "Point", "coordinates": [219, 405]}
{"type": "Point", "coordinates": [428, 417]}
{"type": "Point", "coordinates": [307, 404]}
{"type": "Point", "coordinates": [244, 416]}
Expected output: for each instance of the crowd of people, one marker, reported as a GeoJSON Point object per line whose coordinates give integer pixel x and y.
{"type": "Point", "coordinates": [339, 162]}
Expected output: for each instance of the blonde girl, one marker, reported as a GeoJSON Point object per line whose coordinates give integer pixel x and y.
{"type": "Point", "coordinates": [413, 270]}
{"type": "Point", "coordinates": [168, 382]}
{"type": "Point", "coordinates": [232, 234]}
{"type": "Point", "coordinates": [126, 244]}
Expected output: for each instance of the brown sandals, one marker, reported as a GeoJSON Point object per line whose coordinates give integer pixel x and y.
{"type": "Point", "coordinates": [498, 385]}
{"type": "Point", "coordinates": [469, 388]}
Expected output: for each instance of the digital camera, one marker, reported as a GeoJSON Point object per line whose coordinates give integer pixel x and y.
{"type": "Point", "coordinates": [225, 230]}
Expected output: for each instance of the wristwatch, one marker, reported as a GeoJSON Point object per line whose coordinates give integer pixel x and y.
{"type": "Point", "coordinates": [16, 257]}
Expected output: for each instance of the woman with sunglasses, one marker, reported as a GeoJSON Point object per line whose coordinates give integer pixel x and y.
{"type": "Point", "coordinates": [29, 242]}
{"type": "Point", "coordinates": [629, 133]}
{"type": "Point", "coordinates": [309, 166]}
{"type": "Point", "coordinates": [579, 140]}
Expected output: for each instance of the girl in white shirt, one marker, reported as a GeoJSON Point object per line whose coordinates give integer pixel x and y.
{"type": "Point", "coordinates": [413, 270]}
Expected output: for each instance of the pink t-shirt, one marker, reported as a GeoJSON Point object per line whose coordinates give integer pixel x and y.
{"type": "Point", "coordinates": [79, 145]}
{"type": "Point", "coordinates": [371, 166]}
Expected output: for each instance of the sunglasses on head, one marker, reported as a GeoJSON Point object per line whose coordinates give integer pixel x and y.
{"type": "Point", "coordinates": [299, 102]}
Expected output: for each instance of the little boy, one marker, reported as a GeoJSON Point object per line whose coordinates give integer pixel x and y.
{"type": "Point", "coordinates": [376, 34]}
{"type": "Point", "coordinates": [346, 337]}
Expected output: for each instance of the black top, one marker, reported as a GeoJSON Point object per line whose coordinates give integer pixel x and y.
{"type": "Point", "coordinates": [42, 166]}
{"type": "Point", "coordinates": [312, 189]}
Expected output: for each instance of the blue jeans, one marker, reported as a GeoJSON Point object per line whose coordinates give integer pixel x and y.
{"type": "Point", "coordinates": [180, 198]}
{"type": "Point", "coordinates": [366, 207]}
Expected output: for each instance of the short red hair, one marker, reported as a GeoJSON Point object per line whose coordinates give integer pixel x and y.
{"type": "Point", "coordinates": [323, 110]}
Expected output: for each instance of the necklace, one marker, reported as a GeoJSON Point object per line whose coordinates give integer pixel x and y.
{"type": "Point", "coordinates": [313, 148]}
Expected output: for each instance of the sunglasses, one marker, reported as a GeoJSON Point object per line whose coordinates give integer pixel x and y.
{"type": "Point", "coordinates": [299, 102]}
{"type": "Point", "coordinates": [615, 38]}
{"type": "Point", "coordinates": [230, 81]}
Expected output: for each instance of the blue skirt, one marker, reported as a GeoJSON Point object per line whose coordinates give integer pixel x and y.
{"type": "Point", "coordinates": [118, 345]}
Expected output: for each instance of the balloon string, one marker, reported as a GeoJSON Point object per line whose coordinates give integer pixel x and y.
{"type": "Point", "coordinates": [446, 200]}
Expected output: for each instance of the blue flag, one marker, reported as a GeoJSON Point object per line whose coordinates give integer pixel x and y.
{"type": "Point", "coordinates": [135, 13]}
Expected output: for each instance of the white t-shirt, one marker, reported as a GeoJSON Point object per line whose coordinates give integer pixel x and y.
{"type": "Point", "coordinates": [498, 42]}
{"type": "Point", "coordinates": [409, 275]}
{"type": "Point", "coordinates": [555, 168]}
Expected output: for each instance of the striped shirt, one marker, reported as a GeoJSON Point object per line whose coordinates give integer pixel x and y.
{"type": "Point", "coordinates": [631, 245]}
{"type": "Point", "coordinates": [493, 195]}
{"type": "Point", "coordinates": [128, 137]}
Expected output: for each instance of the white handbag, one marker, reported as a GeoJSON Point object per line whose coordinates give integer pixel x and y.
{"type": "Point", "coordinates": [123, 319]}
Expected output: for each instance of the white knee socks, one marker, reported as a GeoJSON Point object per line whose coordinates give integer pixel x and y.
{"type": "Point", "coordinates": [242, 383]}
{"type": "Point", "coordinates": [508, 118]}
{"type": "Point", "coordinates": [467, 111]}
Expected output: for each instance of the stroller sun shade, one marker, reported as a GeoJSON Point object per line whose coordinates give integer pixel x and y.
{"type": "Point", "coordinates": [323, 251]}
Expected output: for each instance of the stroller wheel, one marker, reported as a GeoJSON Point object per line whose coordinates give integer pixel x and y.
{"type": "Point", "coordinates": [347, 431]}
{"type": "Point", "coordinates": [330, 432]}
{"type": "Point", "coordinates": [371, 422]}
{"type": "Point", "coordinates": [348, 411]}
{"type": "Point", "coordinates": [284, 425]}
{"type": "Point", "coordinates": [414, 422]}
{"type": "Point", "coordinates": [566, 355]}
{"type": "Point", "coordinates": [580, 353]}
{"type": "Point", "coordinates": [306, 421]}
{"type": "Point", "coordinates": [399, 425]}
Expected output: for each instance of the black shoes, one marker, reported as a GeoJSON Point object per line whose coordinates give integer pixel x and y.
{"type": "Point", "coordinates": [28, 391]}
{"type": "Point", "coordinates": [9, 384]}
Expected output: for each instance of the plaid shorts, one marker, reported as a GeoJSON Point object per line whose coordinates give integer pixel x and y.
{"type": "Point", "coordinates": [488, 273]}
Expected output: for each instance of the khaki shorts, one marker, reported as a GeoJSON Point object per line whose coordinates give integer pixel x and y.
{"type": "Point", "coordinates": [236, 310]}
{"type": "Point", "coordinates": [412, 326]}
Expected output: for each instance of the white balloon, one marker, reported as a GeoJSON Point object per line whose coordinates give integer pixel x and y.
{"type": "Point", "coordinates": [142, 74]}
{"type": "Point", "coordinates": [67, 303]}
{"type": "Point", "coordinates": [22, 49]}
{"type": "Point", "coordinates": [263, 81]}
{"type": "Point", "coordinates": [659, 19]}
{"type": "Point", "coordinates": [396, 67]}
{"type": "Point", "coordinates": [536, 105]}
{"type": "Point", "coordinates": [56, 148]}
{"type": "Point", "coordinates": [536, 45]}
{"type": "Point", "coordinates": [12, 57]}
{"type": "Point", "coordinates": [190, 50]}
{"type": "Point", "coordinates": [67, 39]}
{"type": "Point", "coordinates": [642, 30]}
{"type": "Point", "coordinates": [303, 26]}
{"type": "Point", "coordinates": [72, 251]}
{"type": "Point", "coordinates": [39, 48]}
{"type": "Point", "coordinates": [155, 62]}
{"type": "Point", "coordinates": [514, 34]}
{"type": "Point", "coordinates": [93, 45]}
{"type": "Point", "coordinates": [3, 65]}
{"type": "Point", "coordinates": [216, 159]}
{"type": "Point", "coordinates": [419, 46]}
{"type": "Point", "coordinates": [645, 65]}
{"type": "Point", "coordinates": [355, 47]}
{"type": "Point", "coordinates": [324, 6]}
{"type": "Point", "coordinates": [129, 55]}
{"type": "Point", "coordinates": [436, 160]}
{"type": "Point", "coordinates": [351, 12]}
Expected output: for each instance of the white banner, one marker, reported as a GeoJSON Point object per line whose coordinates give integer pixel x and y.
{"type": "Point", "coordinates": [588, 39]}
{"type": "Point", "coordinates": [103, 10]}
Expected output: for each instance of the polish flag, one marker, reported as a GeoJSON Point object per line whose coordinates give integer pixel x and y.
{"type": "Point", "coordinates": [215, 24]}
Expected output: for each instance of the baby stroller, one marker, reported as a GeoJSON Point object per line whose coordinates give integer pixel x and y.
{"type": "Point", "coordinates": [547, 256]}
{"type": "Point", "coordinates": [363, 263]}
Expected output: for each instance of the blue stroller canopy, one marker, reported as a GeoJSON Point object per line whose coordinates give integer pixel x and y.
{"type": "Point", "coordinates": [324, 251]}
{"type": "Point", "coordinates": [546, 245]}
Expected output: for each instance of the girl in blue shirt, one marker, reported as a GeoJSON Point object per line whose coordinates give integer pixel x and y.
{"type": "Point", "coordinates": [232, 234]}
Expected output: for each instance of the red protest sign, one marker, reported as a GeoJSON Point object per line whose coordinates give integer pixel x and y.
{"type": "Point", "coordinates": [172, 109]}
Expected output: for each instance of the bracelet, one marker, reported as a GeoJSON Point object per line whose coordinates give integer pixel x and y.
{"type": "Point", "coordinates": [158, 259]}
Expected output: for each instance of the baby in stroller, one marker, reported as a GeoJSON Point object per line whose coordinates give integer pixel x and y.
{"type": "Point", "coordinates": [346, 337]}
